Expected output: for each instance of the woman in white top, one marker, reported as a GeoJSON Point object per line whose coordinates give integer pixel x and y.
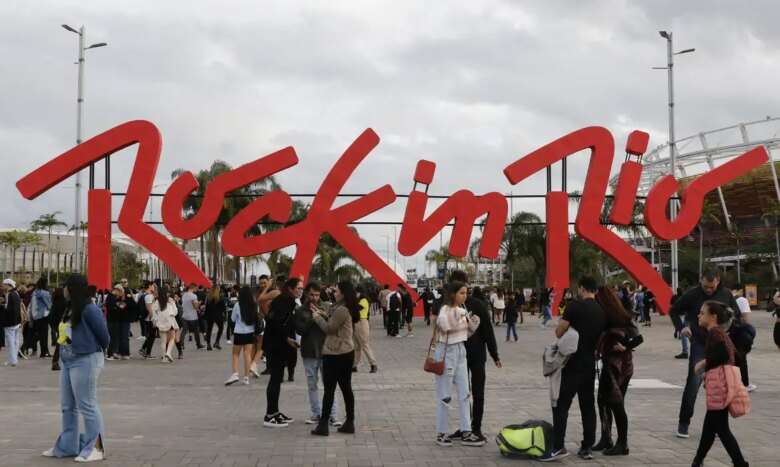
{"type": "Point", "coordinates": [453, 326]}
{"type": "Point", "coordinates": [244, 316]}
{"type": "Point", "coordinates": [164, 313]}
{"type": "Point", "coordinates": [499, 304]}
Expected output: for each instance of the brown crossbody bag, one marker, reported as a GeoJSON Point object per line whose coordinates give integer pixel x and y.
{"type": "Point", "coordinates": [431, 364]}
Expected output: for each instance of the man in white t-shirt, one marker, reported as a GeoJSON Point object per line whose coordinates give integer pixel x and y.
{"type": "Point", "coordinates": [741, 360]}
{"type": "Point", "coordinates": [151, 333]}
{"type": "Point", "coordinates": [190, 306]}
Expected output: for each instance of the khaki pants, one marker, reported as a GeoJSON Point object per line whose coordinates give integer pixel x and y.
{"type": "Point", "coordinates": [362, 344]}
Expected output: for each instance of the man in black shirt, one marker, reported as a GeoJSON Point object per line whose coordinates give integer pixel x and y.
{"type": "Point", "coordinates": [579, 375]}
{"type": "Point", "coordinates": [689, 305]}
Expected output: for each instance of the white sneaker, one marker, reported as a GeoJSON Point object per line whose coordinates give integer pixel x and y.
{"type": "Point", "coordinates": [95, 455]}
{"type": "Point", "coordinates": [48, 453]}
{"type": "Point", "coordinates": [253, 370]}
{"type": "Point", "coordinates": [246, 380]}
{"type": "Point", "coordinates": [228, 341]}
{"type": "Point", "coordinates": [233, 379]}
{"type": "Point", "coordinates": [751, 387]}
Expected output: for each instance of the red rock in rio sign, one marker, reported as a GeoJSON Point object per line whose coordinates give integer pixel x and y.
{"type": "Point", "coordinates": [462, 206]}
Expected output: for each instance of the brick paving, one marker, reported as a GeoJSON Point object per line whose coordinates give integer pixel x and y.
{"type": "Point", "coordinates": [181, 414]}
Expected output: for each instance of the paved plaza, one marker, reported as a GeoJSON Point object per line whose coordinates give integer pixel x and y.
{"type": "Point", "coordinates": [181, 414]}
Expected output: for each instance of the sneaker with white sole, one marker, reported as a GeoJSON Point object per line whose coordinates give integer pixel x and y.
{"type": "Point", "coordinates": [285, 418]}
{"type": "Point", "coordinates": [274, 421]}
{"type": "Point", "coordinates": [682, 431]}
{"type": "Point", "coordinates": [336, 423]}
{"type": "Point", "coordinates": [751, 387]}
{"type": "Point", "coordinates": [232, 380]}
{"type": "Point", "coordinates": [473, 439]}
{"type": "Point", "coordinates": [554, 455]}
{"type": "Point", "coordinates": [48, 453]}
{"type": "Point", "coordinates": [246, 380]}
{"type": "Point", "coordinates": [443, 440]}
{"type": "Point", "coordinates": [313, 420]}
{"type": "Point", "coordinates": [95, 455]}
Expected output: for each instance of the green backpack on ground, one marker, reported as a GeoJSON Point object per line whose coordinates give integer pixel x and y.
{"type": "Point", "coordinates": [530, 439]}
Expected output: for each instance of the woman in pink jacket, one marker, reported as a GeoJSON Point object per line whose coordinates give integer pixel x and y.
{"type": "Point", "coordinates": [718, 351]}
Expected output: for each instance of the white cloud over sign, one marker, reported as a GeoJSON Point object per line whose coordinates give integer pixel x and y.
{"type": "Point", "coordinates": [469, 85]}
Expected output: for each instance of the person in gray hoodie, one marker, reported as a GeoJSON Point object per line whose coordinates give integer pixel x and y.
{"type": "Point", "coordinates": [312, 340]}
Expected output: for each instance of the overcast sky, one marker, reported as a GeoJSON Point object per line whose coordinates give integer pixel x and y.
{"type": "Point", "coordinates": [471, 86]}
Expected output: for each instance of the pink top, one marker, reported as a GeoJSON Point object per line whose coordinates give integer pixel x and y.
{"type": "Point", "coordinates": [455, 324]}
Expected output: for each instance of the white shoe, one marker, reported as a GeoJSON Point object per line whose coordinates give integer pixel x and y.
{"type": "Point", "coordinates": [228, 341]}
{"type": "Point", "coordinates": [751, 387]}
{"type": "Point", "coordinates": [246, 380]}
{"type": "Point", "coordinates": [95, 455]}
{"type": "Point", "coordinates": [48, 453]}
{"type": "Point", "coordinates": [233, 379]}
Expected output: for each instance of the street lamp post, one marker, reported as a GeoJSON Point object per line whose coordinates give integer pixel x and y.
{"type": "Point", "coordinates": [82, 33]}
{"type": "Point", "coordinates": [672, 149]}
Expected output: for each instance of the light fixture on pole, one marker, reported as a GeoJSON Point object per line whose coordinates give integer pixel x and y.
{"type": "Point", "coordinates": [79, 129]}
{"type": "Point", "coordinates": [672, 149]}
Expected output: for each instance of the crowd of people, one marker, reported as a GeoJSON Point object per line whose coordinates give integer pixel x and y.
{"type": "Point", "coordinates": [278, 318]}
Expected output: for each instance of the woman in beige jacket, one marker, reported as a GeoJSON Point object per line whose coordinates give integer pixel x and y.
{"type": "Point", "coordinates": [337, 355]}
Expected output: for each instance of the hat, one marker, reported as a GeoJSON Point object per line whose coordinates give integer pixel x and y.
{"type": "Point", "coordinates": [10, 282]}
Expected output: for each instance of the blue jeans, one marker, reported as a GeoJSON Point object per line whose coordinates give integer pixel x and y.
{"type": "Point", "coordinates": [684, 341]}
{"type": "Point", "coordinates": [12, 344]}
{"type": "Point", "coordinates": [78, 394]}
{"type": "Point", "coordinates": [692, 384]}
{"type": "Point", "coordinates": [313, 369]}
{"type": "Point", "coordinates": [511, 327]}
{"type": "Point", "coordinates": [547, 315]}
{"type": "Point", "coordinates": [455, 371]}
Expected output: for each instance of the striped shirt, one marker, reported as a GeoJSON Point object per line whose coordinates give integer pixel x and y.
{"type": "Point", "coordinates": [453, 324]}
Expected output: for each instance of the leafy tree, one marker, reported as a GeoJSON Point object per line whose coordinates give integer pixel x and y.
{"type": "Point", "coordinates": [45, 223]}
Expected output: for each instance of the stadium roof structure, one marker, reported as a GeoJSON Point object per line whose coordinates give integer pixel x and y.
{"type": "Point", "coordinates": [699, 153]}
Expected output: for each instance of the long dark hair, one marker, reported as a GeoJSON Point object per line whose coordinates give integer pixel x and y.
{"type": "Point", "coordinates": [451, 290]}
{"type": "Point", "coordinates": [616, 314]}
{"type": "Point", "coordinates": [350, 299]}
{"type": "Point", "coordinates": [79, 297]}
{"type": "Point", "coordinates": [162, 297]}
{"type": "Point", "coordinates": [722, 312]}
{"type": "Point", "coordinates": [247, 305]}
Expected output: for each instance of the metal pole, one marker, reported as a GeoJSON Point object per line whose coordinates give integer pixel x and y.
{"type": "Point", "coordinates": [672, 150]}
{"type": "Point", "coordinates": [79, 125]}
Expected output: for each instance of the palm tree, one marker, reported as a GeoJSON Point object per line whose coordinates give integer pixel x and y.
{"type": "Point", "coordinates": [47, 222]}
{"type": "Point", "coordinates": [524, 239]}
{"type": "Point", "coordinates": [333, 262]}
{"type": "Point", "coordinates": [15, 239]}
{"type": "Point", "coordinates": [83, 233]}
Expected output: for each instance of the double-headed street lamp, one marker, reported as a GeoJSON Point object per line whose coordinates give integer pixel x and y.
{"type": "Point", "coordinates": [82, 32]}
{"type": "Point", "coordinates": [672, 150]}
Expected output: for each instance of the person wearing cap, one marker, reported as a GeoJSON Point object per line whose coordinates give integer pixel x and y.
{"type": "Point", "coordinates": [11, 320]}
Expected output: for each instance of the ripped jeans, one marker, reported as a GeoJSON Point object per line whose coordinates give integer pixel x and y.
{"type": "Point", "coordinates": [455, 371]}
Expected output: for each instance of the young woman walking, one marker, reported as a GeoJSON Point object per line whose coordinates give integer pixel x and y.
{"type": "Point", "coordinates": [164, 313]}
{"type": "Point", "coordinates": [82, 338]}
{"type": "Point", "coordinates": [338, 353]}
{"type": "Point", "coordinates": [453, 327]}
{"type": "Point", "coordinates": [615, 347]}
{"type": "Point", "coordinates": [718, 351]}
{"type": "Point", "coordinates": [245, 316]}
{"type": "Point", "coordinates": [215, 315]}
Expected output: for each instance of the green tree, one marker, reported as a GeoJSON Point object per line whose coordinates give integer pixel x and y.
{"type": "Point", "coordinates": [125, 264]}
{"type": "Point", "coordinates": [45, 223]}
{"type": "Point", "coordinates": [15, 239]}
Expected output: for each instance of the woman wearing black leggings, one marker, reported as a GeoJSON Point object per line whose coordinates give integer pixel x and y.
{"type": "Point", "coordinates": [718, 351]}
{"type": "Point", "coordinates": [615, 347]}
{"type": "Point", "coordinates": [215, 315]}
{"type": "Point", "coordinates": [338, 355]}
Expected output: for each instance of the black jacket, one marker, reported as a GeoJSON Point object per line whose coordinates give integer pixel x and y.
{"type": "Point", "coordinates": [689, 304]}
{"type": "Point", "coordinates": [279, 324]}
{"type": "Point", "coordinates": [312, 337]}
{"type": "Point", "coordinates": [475, 345]}
{"type": "Point", "coordinates": [12, 313]}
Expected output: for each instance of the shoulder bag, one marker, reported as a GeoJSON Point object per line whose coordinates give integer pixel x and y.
{"type": "Point", "coordinates": [431, 364]}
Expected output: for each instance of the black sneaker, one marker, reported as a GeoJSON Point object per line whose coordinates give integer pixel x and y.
{"type": "Point", "coordinates": [681, 355]}
{"type": "Point", "coordinates": [274, 421]}
{"type": "Point", "coordinates": [473, 439]}
{"type": "Point", "coordinates": [585, 454]}
{"type": "Point", "coordinates": [285, 418]}
{"type": "Point", "coordinates": [443, 440]}
{"type": "Point", "coordinates": [682, 430]}
{"type": "Point", "coordinates": [457, 435]}
{"type": "Point", "coordinates": [554, 455]}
